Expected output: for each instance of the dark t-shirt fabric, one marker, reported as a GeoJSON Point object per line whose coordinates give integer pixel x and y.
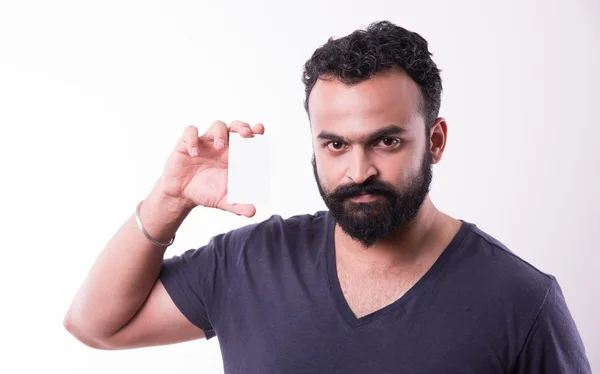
{"type": "Point", "coordinates": [269, 291]}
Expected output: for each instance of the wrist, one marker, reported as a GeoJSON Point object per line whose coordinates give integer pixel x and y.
{"type": "Point", "coordinates": [161, 215]}
{"type": "Point", "coordinates": [176, 205]}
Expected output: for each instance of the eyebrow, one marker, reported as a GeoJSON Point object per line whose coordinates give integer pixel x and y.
{"type": "Point", "coordinates": [383, 132]}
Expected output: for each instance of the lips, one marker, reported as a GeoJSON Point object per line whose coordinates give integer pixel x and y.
{"type": "Point", "coordinates": [361, 192]}
{"type": "Point", "coordinates": [363, 197]}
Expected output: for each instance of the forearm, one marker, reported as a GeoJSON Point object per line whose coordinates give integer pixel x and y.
{"type": "Point", "coordinates": [126, 270]}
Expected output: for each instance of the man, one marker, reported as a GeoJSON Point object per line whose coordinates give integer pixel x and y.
{"type": "Point", "coordinates": [382, 282]}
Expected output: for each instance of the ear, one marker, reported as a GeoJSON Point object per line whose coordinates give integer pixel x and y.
{"type": "Point", "coordinates": [437, 139]}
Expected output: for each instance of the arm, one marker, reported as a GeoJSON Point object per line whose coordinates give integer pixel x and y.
{"type": "Point", "coordinates": [554, 344]}
{"type": "Point", "coordinates": [122, 304]}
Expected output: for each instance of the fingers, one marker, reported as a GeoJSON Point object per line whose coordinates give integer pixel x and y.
{"type": "Point", "coordinates": [244, 129]}
{"type": "Point", "coordinates": [218, 133]}
{"type": "Point", "coordinates": [190, 139]}
{"type": "Point", "coordinates": [258, 129]}
{"type": "Point", "coordinates": [247, 210]}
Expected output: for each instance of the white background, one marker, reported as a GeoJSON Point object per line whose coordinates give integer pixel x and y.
{"type": "Point", "coordinates": [93, 96]}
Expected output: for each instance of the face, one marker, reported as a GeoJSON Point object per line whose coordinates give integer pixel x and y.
{"type": "Point", "coordinates": [372, 160]}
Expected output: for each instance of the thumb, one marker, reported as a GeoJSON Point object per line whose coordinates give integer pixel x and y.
{"type": "Point", "coordinates": [247, 210]}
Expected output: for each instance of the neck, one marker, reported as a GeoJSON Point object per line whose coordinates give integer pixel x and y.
{"type": "Point", "coordinates": [405, 247]}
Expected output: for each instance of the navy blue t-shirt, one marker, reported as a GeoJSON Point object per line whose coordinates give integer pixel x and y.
{"type": "Point", "coordinates": [270, 293]}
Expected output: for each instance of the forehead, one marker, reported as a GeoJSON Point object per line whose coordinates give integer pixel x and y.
{"type": "Point", "coordinates": [390, 97]}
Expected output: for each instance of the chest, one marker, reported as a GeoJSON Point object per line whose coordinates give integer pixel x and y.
{"type": "Point", "coordinates": [284, 321]}
{"type": "Point", "coordinates": [315, 340]}
{"type": "Point", "coordinates": [368, 292]}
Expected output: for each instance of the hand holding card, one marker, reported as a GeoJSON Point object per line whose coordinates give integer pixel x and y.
{"type": "Point", "coordinates": [196, 171]}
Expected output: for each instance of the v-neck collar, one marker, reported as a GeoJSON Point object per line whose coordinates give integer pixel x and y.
{"type": "Point", "coordinates": [336, 290]}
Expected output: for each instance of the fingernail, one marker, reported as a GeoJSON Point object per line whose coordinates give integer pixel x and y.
{"type": "Point", "coordinates": [194, 152]}
{"type": "Point", "coordinates": [220, 143]}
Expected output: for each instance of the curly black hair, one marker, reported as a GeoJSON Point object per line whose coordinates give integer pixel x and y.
{"type": "Point", "coordinates": [382, 45]}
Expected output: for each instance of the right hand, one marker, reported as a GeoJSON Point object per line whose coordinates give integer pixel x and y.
{"type": "Point", "coordinates": [196, 170]}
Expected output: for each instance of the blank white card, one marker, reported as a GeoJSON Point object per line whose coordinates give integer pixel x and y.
{"type": "Point", "coordinates": [250, 172]}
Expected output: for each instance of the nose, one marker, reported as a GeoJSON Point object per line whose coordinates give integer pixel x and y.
{"type": "Point", "coordinates": [361, 168]}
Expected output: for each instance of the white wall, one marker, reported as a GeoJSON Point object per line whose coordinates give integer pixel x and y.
{"type": "Point", "coordinates": [93, 96]}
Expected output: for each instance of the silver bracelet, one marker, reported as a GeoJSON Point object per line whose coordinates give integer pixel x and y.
{"type": "Point", "coordinates": [139, 222]}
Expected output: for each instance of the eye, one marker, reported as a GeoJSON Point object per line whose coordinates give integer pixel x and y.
{"type": "Point", "coordinates": [389, 143]}
{"type": "Point", "coordinates": [335, 145]}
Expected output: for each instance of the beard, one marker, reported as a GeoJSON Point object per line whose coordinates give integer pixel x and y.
{"type": "Point", "coordinates": [368, 222]}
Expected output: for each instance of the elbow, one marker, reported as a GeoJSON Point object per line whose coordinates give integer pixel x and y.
{"type": "Point", "coordinates": [83, 335]}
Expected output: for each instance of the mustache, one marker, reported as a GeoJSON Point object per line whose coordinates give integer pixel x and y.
{"type": "Point", "coordinates": [372, 187]}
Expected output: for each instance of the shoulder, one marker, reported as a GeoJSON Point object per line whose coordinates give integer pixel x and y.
{"type": "Point", "coordinates": [495, 270]}
{"type": "Point", "coordinates": [277, 232]}
{"type": "Point", "coordinates": [496, 256]}
{"type": "Point", "coordinates": [276, 226]}
{"type": "Point", "coordinates": [520, 304]}
{"type": "Point", "coordinates": [254, 243]}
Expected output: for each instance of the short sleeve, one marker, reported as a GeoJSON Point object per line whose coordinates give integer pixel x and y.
{"type": "Point", "coordinates": [554, 344]}
{"type": "Point", "coordinates": [197, 279]}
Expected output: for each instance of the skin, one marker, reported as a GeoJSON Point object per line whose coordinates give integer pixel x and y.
{"type": "Point", "coordinates": [353, 113]}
